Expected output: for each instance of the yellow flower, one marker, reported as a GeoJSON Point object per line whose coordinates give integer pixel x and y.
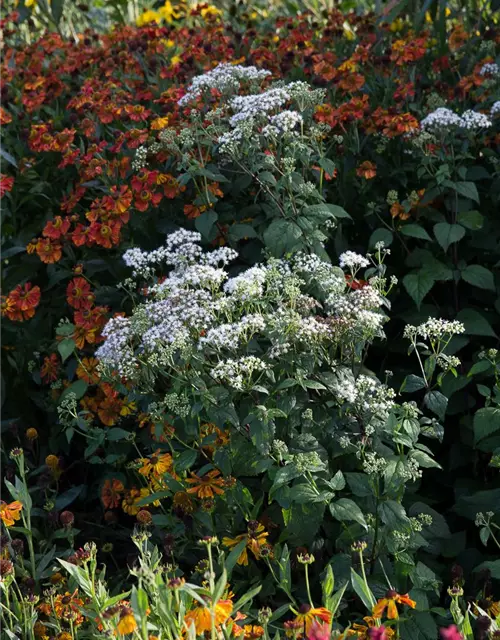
{"type": "Point", "coordinates": [200, 616]}
{"type": "Point", "coordinates": [307, 615]}
{"type": "Point", "coordinates": [10, 513]}
{"type": "Point", "coordinates": [210, 11]}
{"type": "Point", "coordinates": [129, 503]}
{"type": "Point", "coordinates": [168, 13]}
{"type": "Point", "coordinates": [397, 25]}
{"type": "Point", "coordinates": [148, 16]}
{"type": "Point", "coordinates": [392, 598]}
{"type": "Point", "coordinates": [157, 464]}
{"type": "Point", "coordinates": [348, 32]}
{"type": "Point", "coordinates": [159, 123]}
{"type": "Point", "coordinates": [175, 60]}
{"type": "Point", "coordinates": [127, 623]}
{"type": "Point", "coordinates": [255, 539]}
{"type": "Point", "coordinates": [128, 408]}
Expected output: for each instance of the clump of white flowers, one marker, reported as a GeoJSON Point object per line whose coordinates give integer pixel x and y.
{"type": "Point", "coordinates": [225, 77]}
{"type": "Point", "coordinates": [443, 119]}
{"type": "Point", "coordinates": [490, 69]}
{"type": "Point", "coordinates": [495, 109]}
{"type": "Point", "coordinates": [240, 326]}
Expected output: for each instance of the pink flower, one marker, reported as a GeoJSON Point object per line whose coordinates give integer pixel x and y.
{"type": "Point", "coordinates": [319, 631]}
{"type": "Point", "coordinates": [451, 633]}
{"type": "Point", "coordinates": [377, 633]}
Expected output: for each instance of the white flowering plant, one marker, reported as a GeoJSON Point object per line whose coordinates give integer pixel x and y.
{"type": "Point", "coordinates": [273, 417]}
{"type": "Point", "coordinates": [253, 160]}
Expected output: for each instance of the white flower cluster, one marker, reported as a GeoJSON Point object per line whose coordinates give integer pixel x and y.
{"type": "Point", "coordinates": [284, 122]}
{"type": "Point", "coordinates": [434, 329]}
{"type": "Point", "coordinates": [473, 120]}
{"type": "Point", "coordinates": [237, 373]}
{"type": "Point", "coordinates": [259, 104]}
{"type": "Point", "coordinates": [495, 108]}
{"type": "Point", "coordinates": [225, 77]}
{"type": "Point", "coordinates": [490, 69]}
{"type": "Point", "coordinates": [352, 261]}
{"type": "Point", "coordinates": [444, 118]}
{"type": "Point", "coordinates": [256, 317]}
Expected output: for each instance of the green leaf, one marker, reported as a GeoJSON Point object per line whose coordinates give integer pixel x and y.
{"type": "Point", "coordinates": [447, 234]}
{"type": "Point", "coordinates": [469, 506]}
{"type": "Point", "coordinates": [320, 212]}
{"type": "Point", "coordinates": [493, 567]}
{"type": "Point", "coordinates": [57, 7]}
{"type": "Point", "coordinates": [69, 496]}
{"type": "Point", "coordinates": [337, 211]}
{"type": "Point", "coordinates": [479, 276]}
{"type": "Point", "coordinates": [78, 388]}
{"type": "Point", "coordinates": [333, 603]}
{"type": "Point", "coordinates": [467, 190]}
{"type": "Point", "coordinates": [412, 383]}
{"type": "Point", "coordinates": [393, 514]}
{"type": "Point", "coordinates": [472, 220]}
{"type": "Point", "coordinates": [475, 323]}
{"type": "Point", "coordinates": [486, 422]}
{"type": "Point", "coordinates": [115, 434]}
{"type": "Point", "coordinates": [66, 348]}
{"type": "Point", "coordinates": [363, 590]}
{"type": "Point", "coordinates": [415, 231]}
{"type": "Point", "coordinates": [205, 223]}
{"type": "Point", "coordinates": [381, 235]}
{"type": "Point", "coordinates": [436, 402]}
{"type": "Point", "coordinates": [246, 597]}
{"type": "Point", "coordinates": [281, 237]}
{"type": "Point", "coordinates": [241, 231]}
{"type": "Point", "coordinates": [424, 460]}
{"type": "Point", "coordinates": [267, 177]}
{"type": "Point", "coordinates": [345, 509]}
{"type": "Point", "coordinates": [6, 156]}
{"type": "Point", "coordinates": [337, 483]}
{"type": "Point", "coordinates": [418, 284]}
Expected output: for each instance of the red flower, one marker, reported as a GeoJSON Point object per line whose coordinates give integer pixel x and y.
{"type": "Point", "coordinates": [111, 493]}
{"type": "Point", "coordinates": [6, 184]}
{"type": "Point", "coordinates": [79, 294]}
{"type": "Point", "coordinates": [49, 368]}
{"type": "Point", "coordinates": [25, 298]}
{"type": "Point", "coordinates": [56, 228]}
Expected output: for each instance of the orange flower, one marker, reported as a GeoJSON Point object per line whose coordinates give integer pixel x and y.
{"type": "Point", "coordinates": [109, 410]}
{"type": "Point", "coordinates": [158, 123]}
{"type": "Point", "coordinates": [390, 601]}
{"type": "Point", "coordinates": [398, 211]}
{"type": "Point", "coordinates": [10, 513]}
{"type": "Point", "coordinates": [366, 170]}
{"type": "Point", "coordinates": [352, 82]}
{"type": "Point", "coordinates": [111, 493]}
{"type": "Point", "coordinates": [206, 486]}
{"type": "Point", "coordinates": [48, 251]}
{"type": "Point", "coordinates": [87, 370]}
{"type": "Point", "coordinates": [67, 607]}
{"type": "Point", "coordinates": [157, 464]}
{"type": "Point", "coordinates": [5, 116]}
{"type": "Point", "coordinates": [49, 368]}
{"type": "Point", "coordinates": [201, 617]}
{"type": "Point", "coordinates": [253, 631]}
{"type": "Point", "coordinates": [307, 615]}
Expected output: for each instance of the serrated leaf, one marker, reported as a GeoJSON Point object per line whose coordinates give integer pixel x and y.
{"type": "Point", "coordinates": [66, 348]}
{"type": "Point", "coordinates": [380, 235]}
{"type": "Point", "coordinates": [447, 234]}
{"type": "Point", "coordinates": [418, 285]}
{"type": "Point", "coordinates": [478, 276]}
{"type": "Point", "coordinates": [467, 190]}
{"type": "Point", "coordinates": [475, 323]}
{"type": "Point", "coordinates": [472, 220]}
{"type": "Point", "coordinates": [345, 509]}
{"type": "Point", "coordinates": [281, 237]}
{"type": "Point", "coordinates": [436, 402]}
{"type": "Point", "coordinates": [486, 422]}
{"type": "Point", "coordinates": [415, 231]}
